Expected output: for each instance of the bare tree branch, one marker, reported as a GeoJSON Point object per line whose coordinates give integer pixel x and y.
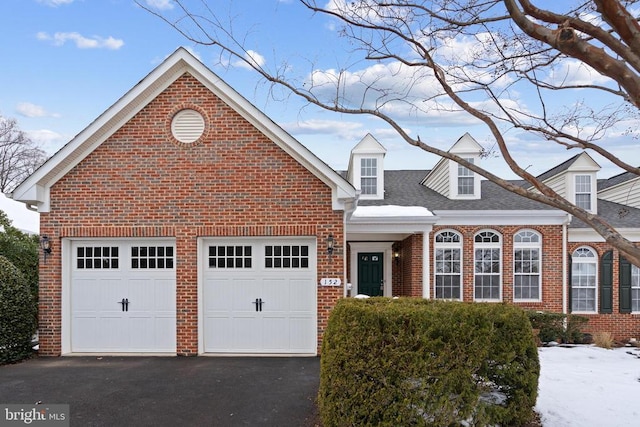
{"type": "Point", "coordinates": [515, 44]}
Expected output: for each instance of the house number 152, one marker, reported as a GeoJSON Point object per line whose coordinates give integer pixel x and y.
{"type": "Point", "coordinates": [330, 282]}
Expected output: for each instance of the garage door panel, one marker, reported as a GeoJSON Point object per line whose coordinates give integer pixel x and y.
{"type": "Point", "coordinates": [102, 276]}
{"type": "Point", "coordinates": [245, 292]}
{"type": "Point", "coordinates": [262, 299]}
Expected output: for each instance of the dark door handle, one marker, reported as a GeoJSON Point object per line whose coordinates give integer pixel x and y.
{"type": "Point", "coordinates": [257, 303]}
{"type": "Point", "coordinates": [124, 302]}
{"type": "Point", "coordinates": [261, 302]}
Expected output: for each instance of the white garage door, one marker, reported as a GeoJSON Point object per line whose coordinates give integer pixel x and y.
{"type": "Point", "coordinates": [259, 296]}
{"type": "Point", "coordinates": [123, 296]}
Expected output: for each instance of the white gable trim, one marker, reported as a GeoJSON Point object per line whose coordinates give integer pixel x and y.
{"type": "Point", "coordinates": [35, 189]}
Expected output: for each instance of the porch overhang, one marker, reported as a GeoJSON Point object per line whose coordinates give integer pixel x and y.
{"type": "Point", "coordinates": [388, 223]}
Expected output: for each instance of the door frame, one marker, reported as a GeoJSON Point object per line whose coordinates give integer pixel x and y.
{"type": "Point", "coordinates": [367, 247]}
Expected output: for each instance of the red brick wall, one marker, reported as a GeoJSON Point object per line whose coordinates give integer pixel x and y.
{"type": "Point", "coordinates": [143, 183]}
{"type": "Point", "coordinates": [407, 271]}
{"type": "Point", "coordinates": [551, 263]}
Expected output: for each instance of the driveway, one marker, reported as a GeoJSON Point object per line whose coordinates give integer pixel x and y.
{"type": "Point", "coordinates": [170, 391]}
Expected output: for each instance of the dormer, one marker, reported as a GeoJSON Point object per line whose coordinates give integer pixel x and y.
{"type": "Point", "coordinates": [454, 180]}
{"type": "Point", "coordinates": [366, 168]}
{"type": "Point", "coordinates": [576, 181]}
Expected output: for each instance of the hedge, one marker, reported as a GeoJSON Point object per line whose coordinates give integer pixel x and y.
{"type": "Point", "coordinates": [17, 314]}
{"type": "Point", "coordinates": [390, 362]}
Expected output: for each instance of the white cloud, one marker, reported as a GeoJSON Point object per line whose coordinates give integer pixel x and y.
{"type": "Point", "coordinates": [160, 4]}
{"type": "Point", "coordinates": [48, 140]}
{"type": "Point", "coordinates": [28, 109]}
{"type": "Point", "coordinates": [97, 42]}
{"type": "Point", "coordinates": [253, 57]}
{"type": "Point", "coordinates": [55, 3]}
{"type": "Point", "coordinates": [574, 72]}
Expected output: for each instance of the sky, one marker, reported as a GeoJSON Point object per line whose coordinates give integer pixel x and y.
{"type": "Point", "coordinates": [64, 62]}
{"type": "Point", "coordinates": [587, 386]}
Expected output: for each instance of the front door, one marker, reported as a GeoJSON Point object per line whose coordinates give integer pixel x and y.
{"type": "Point", "coordinates": [370, 273]}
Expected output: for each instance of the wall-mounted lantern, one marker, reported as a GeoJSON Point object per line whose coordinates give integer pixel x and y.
{"type": "Point", "coordinates": [330, 242]}
{"type": "Point", "coordinates": [45, 244]}
{"type": "Point", "coordinates": [396, 257]}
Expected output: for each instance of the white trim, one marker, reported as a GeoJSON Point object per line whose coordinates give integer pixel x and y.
{"type": "Point", "coordinates": [595, 260]}
{"type": "Point", "coordinates": [490, 245]}
{"type": "Point", "coordinates": [35, 189]}
{"type": "Point", "coordinates": [527, 245]}
{"type": "Point", "coordinates": [426, 265]}
{"type": "Point", "coordinates": [500, 217]}
{"type": "Point", "coordinates": [460, 247]}
{"type": "Point", "coordinates": [577, 235]}
{"type": "Point", "coordinates": [386, 249]}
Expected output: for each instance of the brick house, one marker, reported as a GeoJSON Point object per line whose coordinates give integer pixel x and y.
{"type": "Point", "coordinates": [185, 221]}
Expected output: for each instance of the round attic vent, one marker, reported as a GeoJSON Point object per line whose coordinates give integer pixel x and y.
{"type": "Point", "coordinates": [187, 126]}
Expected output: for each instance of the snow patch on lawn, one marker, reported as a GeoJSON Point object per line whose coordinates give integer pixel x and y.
{"type": "Point", "coordinates": [589, 386]}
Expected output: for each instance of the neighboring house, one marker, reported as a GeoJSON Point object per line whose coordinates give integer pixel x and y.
{"type": "Point", "coordinates": [185, 221]}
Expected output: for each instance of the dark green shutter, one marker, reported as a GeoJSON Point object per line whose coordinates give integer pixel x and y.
{"type": "Point", "coordinates": [606, 282]}
{"type": "Point", "coordinates": [625, 286]}
{"type": "Point", "coordinates": [570, 282]}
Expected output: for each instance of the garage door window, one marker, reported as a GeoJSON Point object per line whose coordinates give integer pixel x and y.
{"type": "Point", "coordinates": [97, 257]}
{"type": "Point", "coordinates": [286, 256]}
{"type": "Point", "coordinates": [230, 256]}
{"type": "Point", "coordinates": [151, 257]}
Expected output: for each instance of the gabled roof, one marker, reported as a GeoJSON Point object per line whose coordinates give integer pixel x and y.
{"type": "Point", "coordinates": [35, 189]}
{"type": "Point", "coordinates": [567, 165]}
{"type": "Point", "coordinates": [368, 146]}
{"type": "Point", "coordinates": [616, 180]}
{"type": "Point", "coordinates": [465, 145]}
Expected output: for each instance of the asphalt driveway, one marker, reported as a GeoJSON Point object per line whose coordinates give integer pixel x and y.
{"type": "Point", "coordinates": [170, 391]}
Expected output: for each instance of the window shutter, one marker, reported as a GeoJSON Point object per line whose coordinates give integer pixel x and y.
{"type": "Point", "coordinates": [606, 282]}
{"type": "Point", "coordinates": [625, 286]}
{"type": "Point", "coordinates": [569, 282]}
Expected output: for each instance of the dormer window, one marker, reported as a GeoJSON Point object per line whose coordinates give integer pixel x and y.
{"type": "Point", "coordinates": [583, 192]}
{"type": "Point", "coordinates": [466, 183]}
{"type": "Point", "coordinates": [369, 176]}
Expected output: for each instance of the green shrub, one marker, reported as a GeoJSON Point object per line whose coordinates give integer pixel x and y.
{"type": "Point", "coordinates": [417, 362]}
{"type": "Point", "coordinates": [557, 326]}
{"type": "Point", "coordinates": [17, 314]}
{"type": "Point", "coordinates": [21, 249]}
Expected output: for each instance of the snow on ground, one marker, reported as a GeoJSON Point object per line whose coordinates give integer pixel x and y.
{"type": "Point", "coordinates": [589, 386]}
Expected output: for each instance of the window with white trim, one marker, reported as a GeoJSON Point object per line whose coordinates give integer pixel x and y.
{"type": "Point", "coordinates": [466, 184]}
{"type": "Point", "coordinates": [448, 268]}
{"type": "Point", "coordinates": [369, 176]}
{"type": "Point", "coordinates": [635, 288]}
{"type": "Point", "coordinates": [583, 191]}
{"type": "Point", "coordinates": [527, 247]}
{"type": "Point", "coordinates": [487, 266]}
{"type": "Point", "coordinates": [584, 280]}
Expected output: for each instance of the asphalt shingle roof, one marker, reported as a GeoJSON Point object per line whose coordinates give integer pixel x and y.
{"type": "Point", "coordinates": [403, 188]}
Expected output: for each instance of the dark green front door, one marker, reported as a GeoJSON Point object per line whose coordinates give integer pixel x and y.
{"type": "Point", "coordinates": [370, 277]}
